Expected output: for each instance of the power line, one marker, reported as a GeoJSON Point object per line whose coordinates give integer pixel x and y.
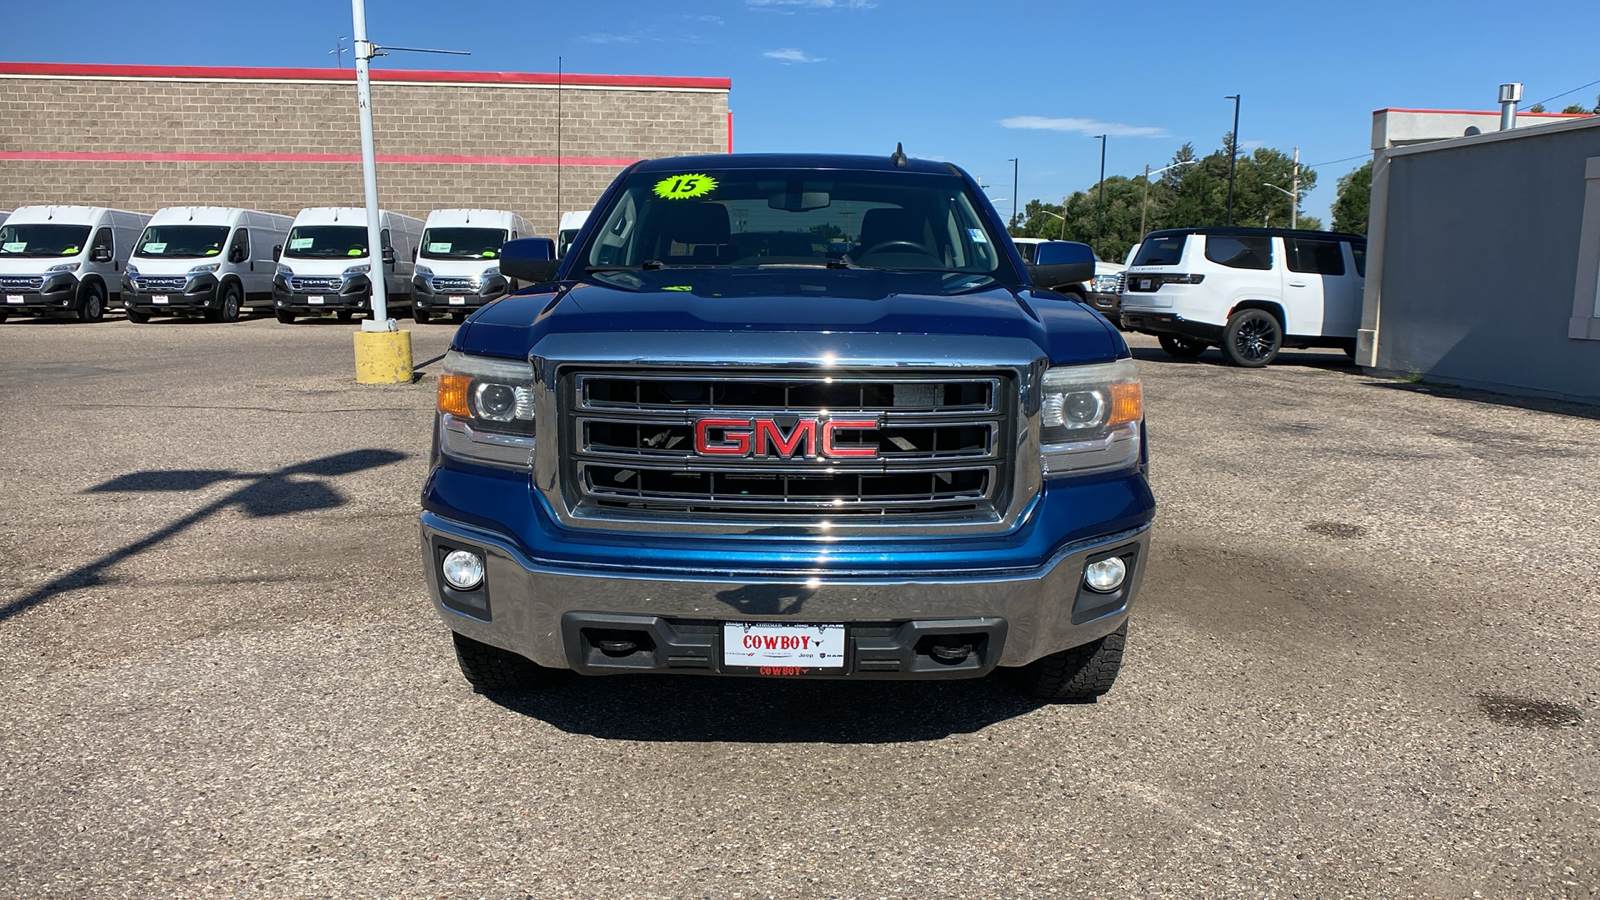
{"type": "Point", "coordinates": [1332, 161]}
{"type": "Point", "coordinates": [1560, 95]}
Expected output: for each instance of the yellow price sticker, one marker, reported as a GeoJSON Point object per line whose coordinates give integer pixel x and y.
{"type": "Point", "coordinates": [685, 187]}
{"type": "Point", "coordinates": [678, 287]}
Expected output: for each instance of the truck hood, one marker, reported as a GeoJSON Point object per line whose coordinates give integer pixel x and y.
{"type": "Point", "coordinates": [809, 301]}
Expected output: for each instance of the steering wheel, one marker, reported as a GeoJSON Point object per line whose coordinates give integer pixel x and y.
{"type": "Point", "coordinates": [905, 246]}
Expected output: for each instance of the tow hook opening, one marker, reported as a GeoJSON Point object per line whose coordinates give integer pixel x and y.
{"type": "Point", "coordinates": [616, 643]}
{"type": "Point", "coordinates": [951, 649]}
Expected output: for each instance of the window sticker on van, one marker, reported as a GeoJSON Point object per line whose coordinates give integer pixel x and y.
{"type": "Point", "coordinates": [155, 247]}
{"type": "Point", "coordinates": [14, 247]}
{"type": "Point", "coordinates": [301, 243]}
{"type": "Point", "coordinates": [439, 247]}
{"type": "Point", "coordinates": [212, 251]}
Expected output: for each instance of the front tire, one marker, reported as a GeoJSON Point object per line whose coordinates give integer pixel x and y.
{"type": "Point", "coordinates": [285, 317]}
{"type": "Point", "coordinates": [492, 669]}
{"type": "Point", "coordinates": [138, 318]}
{"type": "Point", "coordinates": [1181, 347]}
{"type": "Point", "coordinates": [1079, 674]}
{"type": "Point", "coordinates": [92, 306]}
{"type": "Point", "coordinates": [228, 310]}
{"type": "Point", "coordinates": [1252, 339]}
{"type": "Point", "coordinates": [421, 316]}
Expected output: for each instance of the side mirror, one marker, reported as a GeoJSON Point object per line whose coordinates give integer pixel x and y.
{"type": "Point", "coordinates": [1061, 263]}
{"type": "Point", "coordinates": [388, 255]}
{"type": "Point", "coordinates": [532, 260]}
{"type": "Point", "coordinates": [100, 254]}
{"type": "Point", "coordinates": [277, 252]}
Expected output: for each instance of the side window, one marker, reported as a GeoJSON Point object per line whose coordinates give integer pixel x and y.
{"type": "Point", "coordinates": [239, 250]}
{"type": "Point", "coordinates": [1314, 257]}
{"type": "Point", "coordinates": [100, 250]}
{"type": "Point", "coordinates": [1359, 251]}
{"type": "Point", "coordinates": [1241, 252]}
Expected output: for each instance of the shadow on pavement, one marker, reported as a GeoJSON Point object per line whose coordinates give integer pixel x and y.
{"type": "Point", "coordinates": [260, 495]}
{"type": "Point", "coordinates": [1532, 404]}
{"type": "Point", "coordinates": [1318, 359]}
{"type": "Point", "coordinates": [756, 711]}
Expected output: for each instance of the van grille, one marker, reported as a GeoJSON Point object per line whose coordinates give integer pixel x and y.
{"type": "Point", "coordinates": [21, 282]}
{"type": "Point", "coordinates": [316, 284]}
{"type": "Point", "coordinates": [171, 283]}
{"type": "Point", "coordinates": [452, 285]}
{"type": "Point", "coordinates": [941, 445]}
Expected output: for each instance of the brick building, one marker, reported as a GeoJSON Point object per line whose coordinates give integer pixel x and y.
{"type": "Point", "coordinates": [144, 137]}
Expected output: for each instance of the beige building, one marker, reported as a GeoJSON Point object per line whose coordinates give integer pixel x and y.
{"type": "Point", "coordinates": [279, 140]}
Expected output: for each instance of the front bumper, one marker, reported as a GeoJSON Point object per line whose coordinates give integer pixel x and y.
{"type": "Point", "coordinates": [551, 613]}
{"type": "Point", "coordinates": [424, 297]}
{"type": "Point", "coordinates": [59, 294]}
{"type": "Point", "coordinates": [1108, 305]}
{"type": "Point", "coordinates": [197, 294]}
{"type": "Point", "coordinates": [355, 299]}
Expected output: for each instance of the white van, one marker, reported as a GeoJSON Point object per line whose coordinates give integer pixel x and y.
{"type": "Point", "coordinates": [57, 260]}
{"type": "Point", "coordinates": [207, 260]}
{"type": "Point", "coordinates": [325, 265]}
{"type": "Point", "coordinates": [571, 224]}
{"type": "Point", "coordinates": [1249, 291]}
{"type": "Point", "coordinates": [458, 266]}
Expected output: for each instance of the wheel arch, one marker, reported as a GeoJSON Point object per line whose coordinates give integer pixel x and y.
{"type": "Point", "coordinates": [1271, 307]}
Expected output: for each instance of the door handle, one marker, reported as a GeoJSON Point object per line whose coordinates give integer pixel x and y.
{"type": "Point", "coordinates": [1297, 284]}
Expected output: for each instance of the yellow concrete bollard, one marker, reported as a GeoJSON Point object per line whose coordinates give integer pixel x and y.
{"type": "Point", "coordinates": [383, 357]}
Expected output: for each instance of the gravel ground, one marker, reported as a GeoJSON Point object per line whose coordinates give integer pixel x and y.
{"type": "Point", "coordinates": [1364, 665]}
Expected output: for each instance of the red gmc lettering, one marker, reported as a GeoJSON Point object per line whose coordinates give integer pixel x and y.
{"type": "Point", "coordinates": [805, 428]}
{"type": "Point", "coordinates": [733, 443]}
{"type": "Point", "coordinates": [765, 437]}
{"type": "Point", "coordinates": [835, 425]}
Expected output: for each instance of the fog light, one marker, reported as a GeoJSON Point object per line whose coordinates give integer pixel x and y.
{"type": "Point", "coordinates": [464, 571]}
{"type": "Point", "coordinates": [1105, 575]}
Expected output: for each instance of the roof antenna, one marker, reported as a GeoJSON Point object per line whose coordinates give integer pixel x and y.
{"type": "Point", "coordinates": [899, 157]}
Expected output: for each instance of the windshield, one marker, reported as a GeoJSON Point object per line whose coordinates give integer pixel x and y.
{"type": "Point", "coordinates": [326, 241]}
{"type": "Point", "coordinates": [462, 243]}
{"type": "Point", "coordinates": [747, 218]}
{"type": "Point", "coordinates": [41, 239]}
{"type": "Point", "coordinates": [182, 241]}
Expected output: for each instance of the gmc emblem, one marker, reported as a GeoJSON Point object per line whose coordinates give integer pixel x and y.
{"type": "Point", "coordinates": [764, 437]}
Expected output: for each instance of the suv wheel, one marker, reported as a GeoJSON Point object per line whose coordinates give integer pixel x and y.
{"type": "Point", "coordinates": [492, 669]}
{"type": "Point", "coordinates": [1252, 339]}
{"type": "Point", "coordinates": [1081, 673]}
{"type": "Point", "coordinates": [1181, 347]}
{"type": "Point", "coordinates": [92, 305]}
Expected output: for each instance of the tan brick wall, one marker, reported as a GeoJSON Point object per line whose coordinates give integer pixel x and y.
{"type": "Point", "coordinates": [54, 114]}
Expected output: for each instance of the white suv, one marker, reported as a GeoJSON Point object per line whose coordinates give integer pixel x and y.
{"type": "Point", "coordinates": [1250, 291]}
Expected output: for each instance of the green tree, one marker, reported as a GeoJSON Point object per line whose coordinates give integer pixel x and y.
{"type": "Point", "coordinates": [1538, 108]}
{"type": "Point", "coordinates": [1355, 194]}
{"type": "Point", "coordinates": [1569, 108]}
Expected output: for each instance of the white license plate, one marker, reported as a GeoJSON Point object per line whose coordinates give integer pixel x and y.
{"type": "Point", "coordinates": [316, 300]}
{"type": "Point", "coordinates": [458, 301]}
{"type": "Point", "coordinates": [788, 649]}
{"type": "Point", "coordinates": [158, 298]}
{"type": "Point", "coordinates": [1144, 284]}
{"type": "Point", "coordinates": [13, 298]}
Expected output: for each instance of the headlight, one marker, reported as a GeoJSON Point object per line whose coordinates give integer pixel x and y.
{"type": "Point", "coordinates": [353, 271]}
{"type": "Point", "coordinates": [1105, 284]}
{"type": "Point", "coordinates": [486, 410]}
{"type": "Point", "coordinates": [201, 270]}
{"type": "Point", "coordinates": [285, 271]}
{"type": "Point", "coordinates": [64, 267]}
{"type": "Point", "coordinates": [131, 271]}
{"type": "Point", "coordinates": [424, 271]}
{"type": "Point", "coordinates": [1089, 418]}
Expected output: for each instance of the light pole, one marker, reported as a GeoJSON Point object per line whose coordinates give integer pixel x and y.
{"type": "Point", "coordinates": [1233, 152]}
{"type": "Point", "coordinates": [1063, 218]}
{"type": "Point", "coordinates": [1144, 202]}
{"type": "Point", "coordinates": [1013, 191]}
{"type": "Point", "coordinates": [1100, 195]}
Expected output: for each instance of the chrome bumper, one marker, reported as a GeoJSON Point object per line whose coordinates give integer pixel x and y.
{"type": "Point", "coordinates": [1044, 610]}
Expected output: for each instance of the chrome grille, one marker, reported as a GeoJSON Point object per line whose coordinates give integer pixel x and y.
{"type": "Point", "coordinates": [316, 284]}
{"type": "Point", "coordinates": [454, 286]}
{"type": "Point", "coordinates": [941, 445]}
{"type": "Point", "coordinates": [172, 283]}
{"type": "Point", "coordinates": [1122, 283]}
{"type": "Point", "coordinates": [21, 282]}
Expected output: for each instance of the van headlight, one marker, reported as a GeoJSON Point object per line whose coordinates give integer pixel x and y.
{"type": "Point", "coordinates": [62, 268]}
{"type": "Point", "coordinates": [424, 271]}
{"type": "Point", "coordinates": [353, 271]}
{"type": "Point", "coordinates": [1090, 417]}
{"type": "Point", "coordinates": [486, 410]}
{"type": "Point", "coordinates": [131, 271]}
{"type": "Point", "coordinates": [284, 271]}
{"type": "Point", "coordinates": [203, 270]}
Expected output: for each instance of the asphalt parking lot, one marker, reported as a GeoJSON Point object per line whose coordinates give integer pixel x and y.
{"type": "Point", "coordinates": [1365, 664]}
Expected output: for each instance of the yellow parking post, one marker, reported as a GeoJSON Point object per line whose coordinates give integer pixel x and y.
{"type": "Point", "coordinates": [383, 357]}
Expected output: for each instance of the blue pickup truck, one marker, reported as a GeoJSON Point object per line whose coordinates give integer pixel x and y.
{"type": "Point", "coordinates": [789, 415]}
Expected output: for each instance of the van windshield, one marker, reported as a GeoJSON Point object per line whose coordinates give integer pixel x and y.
{"type": "Point", "coordinates": [182, 241]}
{"type": "Point", "coordinates": [462, 243]}
{"type": "Point", "coordinates": [40, 239]}
{"type": "Point", "coordinates": [326, 241]}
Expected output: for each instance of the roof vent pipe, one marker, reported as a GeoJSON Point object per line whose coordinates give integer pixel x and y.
{"type": "Point", "coordinates": [1510, 94]}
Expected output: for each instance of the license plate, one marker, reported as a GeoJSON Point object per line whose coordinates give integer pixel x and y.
{"type": "Point", "coordinates": [1144, 284]}
{"type": "Point", "coordinates": [782, 648]}
{"type": "Point", "coordinates": [158, 298]}
{"type": "Point", "coordinates": [316, 300]}
{"type": "Point", "coordinates": [13, 298]}
{"type": "Point", "coordinates": [458, 301]}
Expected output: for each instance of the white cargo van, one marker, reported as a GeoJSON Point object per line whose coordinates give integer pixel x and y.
{"type": "Point", "coordinates": [65, 260]}
{"type": "Point", "coordinates": [203, 260]}
{"type": "Point", "coordinates": [571, 224]}
{"type": "Point", "coordinates": [458, 266]}
{"type": "Point", "coordinates": [325, 266]}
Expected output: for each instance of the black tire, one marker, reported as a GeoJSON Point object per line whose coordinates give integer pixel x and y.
{"type": "Point", "coordinates": [1349, 348]}
{"type": "Point", "coordinates": [138, 318]}
{"type": "Point", "coordinates": [285, 317]}
{"type": "Point", "coordinates": [4, 315]}
{"type": "Point", "coordinates": [421, 316]}
{"type": "Point", "coordinates": [492, 669]}
{"type": "Point", "coordinates": [345, 315]}
{"type": "Point", "coordinates": [1079, 674]}
{"type": "Point", "coordinates": [228, 304]}
{"type": "Point", "coordinates": [1181, 347]}
{"type": "Point", "coordinates": [91, 303]}
{"type": "Point", "coordinates": [1252, 339]}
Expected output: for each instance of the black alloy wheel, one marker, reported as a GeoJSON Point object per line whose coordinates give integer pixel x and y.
{"type": "Point", "coordinates": [1252, 339]}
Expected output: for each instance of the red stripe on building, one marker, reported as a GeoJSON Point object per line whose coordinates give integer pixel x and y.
{"type": "Point", "coordinates": [93, 156]}
{"type": "Point", "coordinates": [1482, 112]}
{"type": "Point", "coordinates": [280, 74]}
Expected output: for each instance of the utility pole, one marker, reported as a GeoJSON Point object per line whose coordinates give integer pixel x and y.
{"type": "Point", "coordinates": [1144, 202]}
{"type": "Point", "coordinates": [1063, 218]}
{"type": "Point", "coordinates": [1013, 192]}
{"type": "Point", "coordinates": [338, 50]}
{"type": "Point", "coordinates": [1233, 155]}
{"type": "Point", "coordinates": [377, 275]}
{"type": "Point", "coordinates": [1100, 196]}
{"type": "Point", "coordinates": [1294, 201]}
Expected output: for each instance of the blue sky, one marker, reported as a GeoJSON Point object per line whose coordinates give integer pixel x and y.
{"type": "Point", "coordinates": [946, 78]}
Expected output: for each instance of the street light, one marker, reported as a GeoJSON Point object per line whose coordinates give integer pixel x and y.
{"type": "Point", "coordinates": [1233, 152]}
{"type": "Point", "coordinates": [1294, 203]}
{"type": "Point", "coordinates": [1100, 195]}
{"type": "Point", "coordinates": [1144, 202]}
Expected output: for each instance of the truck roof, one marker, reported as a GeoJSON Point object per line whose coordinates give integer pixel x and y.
{"type": "Point", "coordinates": [66, 215]}
{"type": "Point", "coordinates": [464, 217]}
{"type": "Point", "coordinates": [794, 161]}
{"type": "Point", "coordinates": [208, 215]}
